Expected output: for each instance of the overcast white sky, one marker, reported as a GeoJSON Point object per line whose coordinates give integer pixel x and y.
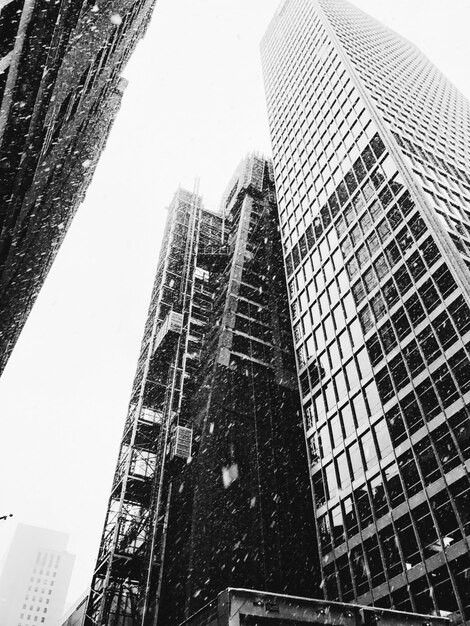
{"type": "Point", "coordinates": [194, 107]}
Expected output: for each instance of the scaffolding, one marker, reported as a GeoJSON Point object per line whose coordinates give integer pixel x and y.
{"type": "Point", "coordinates": [211, 397]}
{"type": "Point", "coordinates": [128, 573]}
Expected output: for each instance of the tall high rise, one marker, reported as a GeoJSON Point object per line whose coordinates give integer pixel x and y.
{"type": "Point", "coordinates": [35, 578]}
{"type": "Point", "coordinates": [211, 484]}
{"type": "Point", "coordinates": [60, 90]}
{"type": "Point", "coordinates": [371, 157]}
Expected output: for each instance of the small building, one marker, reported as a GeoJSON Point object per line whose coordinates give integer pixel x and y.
{"type": "Point", "coordinates": [35, 578]}
{"type": "Point", "coordinates": [245, 607]}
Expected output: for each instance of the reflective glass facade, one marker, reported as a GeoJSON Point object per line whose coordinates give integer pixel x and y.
{"type": "Point", "coordinates": [370, 146]}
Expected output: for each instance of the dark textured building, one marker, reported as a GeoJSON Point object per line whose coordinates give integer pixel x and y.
{"type": "Point", "coordinates": [371, 155]}
{"type": "Point", "coordinates": [211, 488]}
{"type": "Point", "coordinates": [60, 89]}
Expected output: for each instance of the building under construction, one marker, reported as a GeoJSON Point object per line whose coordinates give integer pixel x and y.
{"type": "Point", "coordinates": [60, 89]}
{"type": "Point", "coordinates": [211, 487]}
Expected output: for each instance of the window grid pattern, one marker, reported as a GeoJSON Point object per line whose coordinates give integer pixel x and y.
{"type": "Point", "coordinates": [428, 116]}
{"type": "Point", "coordinates": [40, 587]}
{"type": "Point", "coordinates": [380, 326]}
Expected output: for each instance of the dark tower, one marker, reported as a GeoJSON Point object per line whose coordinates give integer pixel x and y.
{"type": "Point", "coordinates": [60, 89]}
{"type": "Point", "coordinates": [211, 488]}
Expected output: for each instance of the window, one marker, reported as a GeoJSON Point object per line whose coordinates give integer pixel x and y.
{"type": "Point", "coordinates": [371, 546]}
{"type": "Point", "coordinates": [413, 358]}
{"type": "Point", "coordinates": [401, 324]}
{"type": "Point", "coordinates": [445, 385]}
{"type": "Point", "coordinates": [412, 413]}
{"type": "Point", "coordinates": [384, 230]}
{"type": "Point", "coordinates": [403, 280]}
{"type": "Point", "coordinates": [408, 540]}
{"type": "Point", "coordinates": [370, 280]}
{"type": "Point", "coordinates": [363, 506]}
{"type": "Point", "coordinates": [394, 217]}
{"type": "Point", "coordinates": [368, 449]}
{"type": "Point", "coordinates": [444, 330]}
{"type": "Point", "coordinates": [324, 439]}
{"type": "Point", "coordinates": [362, 255]}
{"type": "Point", "coordinates": [365, 317]}
{"type": "Point", "coordinates": [373, 243]}
{"type": "Point", "coordinates": [430, 252]}
{"type": "Point", "coordinates": [319, 489]}
{"type": "Point", "coordinates": [427, 460]}
{"type": "Point", "coordinates": [375, 351]}
{"type": "Point", "coordinates": [338, 314]}
{"type": "Point", "coordinates": [352, 375]}
{"type": "Point", "coordinates": [396, 425]}
{"type": "Point", "coordinates": [416, 266]}
{"type": "Point", "coordinates": [373, 401]}
{"type": "Point", "coordinates": [356, 461]}
{"type": "Point", "coordinates": [429, 295]}
{"type": "Point", "coordinates": [409, 473]}
{"type": "Point", "coordinates": [414, 310]}
{"type": "Point", "coordinates": [460, 366]}
{"type": "Point", "coordinates": [331, 480]}
{"type": "Point", "coordinates": [356, 335]}
{"type": "Point", "coordinates": [378, 306]}
{"type": "Point", "coordinates": [325, 533]}
{"type": "Point", "coordinates": [445, 447]}
{"type": "Point", "coordinates": [343, 470]}
{"type": "Point", "coordinates": [445, 283]}
{"type": "Point", "coordinates": [405, 240]}
{"type": "Point", "coordinates": [343, 281]}
{"type": "Point", "coordinates": [350, 516]}
{"type": "Point", "coordinates": [368, 158]}
{"type": "Point", "coordinates": [427, 397]}
{"type": "Point", "coordinates": [417, 226]}
{"type": "Point", "coordinates": [384, 382]}
{"type": "Point", "coordinates": [390, 551]}
{"type": "Point", "coordinates": [382, 436]}
{"type": "Point", "coordinates": [460, 314]}
{"type": "Point", "coordinates": [358, 292]}
{"type": "Point", "coordinates": [390, 293]}
{"type": "Point", "coordinates": [377, 145]}
{"type": "Point", "coordinates": [344, 576]}
{"type": "Point", "coordinates": [429, 345]}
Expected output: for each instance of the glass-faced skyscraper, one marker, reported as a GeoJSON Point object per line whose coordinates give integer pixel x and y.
{"type": "Point", "coordinates": [371, 155]}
